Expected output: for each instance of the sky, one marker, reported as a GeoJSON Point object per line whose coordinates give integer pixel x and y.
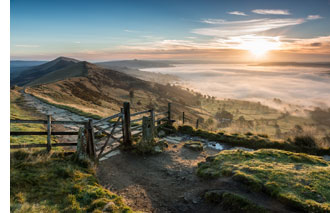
{"type": "Point", "coordinates": [219, 30]}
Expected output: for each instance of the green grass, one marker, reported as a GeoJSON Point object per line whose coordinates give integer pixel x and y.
{"type": "Point", "coordinates": [299, 180]}
{"type": "Point", "coordinates": [18, 111]}
{"type": "Point", "coordinates": [250, 141]}
{"type": "Point", "coordinates": [42, 182]}
{"type": "Point", "coordinates": [232, 202]}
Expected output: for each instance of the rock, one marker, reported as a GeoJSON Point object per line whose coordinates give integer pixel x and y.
{"type": "Point", "coordinates": [157, 149]}
{"type": "Point", "coordinates": [194, 145]}
{"type": "Point", "coordinates": [109, 207]}
{"type": "Point", "coordinates": [161, 133]}
{"type": "Point", "coordinates": [326, 157]}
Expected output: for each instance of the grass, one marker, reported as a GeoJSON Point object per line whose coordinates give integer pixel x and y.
{"type": "Point", "coordinates": [232, 202]}
{"type": "Point", "coordinates": [250, 141]}
{"type": "Point", "coordinates": [18, 111]}
{"type": "Point", "coordinates": [42, 182]}
{"type": "Point", "coordinates": [299, 180]}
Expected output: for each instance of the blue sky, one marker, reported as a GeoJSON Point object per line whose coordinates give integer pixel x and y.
{"type": "Point", "coordinates": [108, 30]}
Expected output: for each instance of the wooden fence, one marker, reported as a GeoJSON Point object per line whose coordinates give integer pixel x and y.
{"type": "Point", "coordinates": [98, 134]}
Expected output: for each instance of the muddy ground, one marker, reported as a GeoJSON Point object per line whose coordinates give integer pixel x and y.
{"type": "Point", "coordinates": [167, 182]}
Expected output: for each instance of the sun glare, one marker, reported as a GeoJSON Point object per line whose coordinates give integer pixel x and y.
{"type": "Point", "coordinates": [260, 46]}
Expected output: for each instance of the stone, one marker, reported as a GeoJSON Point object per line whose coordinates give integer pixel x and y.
{"type": "Point", "coordinates": [161, 133]}
{"type": "Point", "coordinates": [326, 157]}
{"type": "Point", "coordinates": [157, 149]}
{"type": "Point", "coordinates": [194, 145]}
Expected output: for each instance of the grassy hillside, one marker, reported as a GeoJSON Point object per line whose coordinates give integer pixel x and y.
{"type": "Point", "coordinates": [102, 92]}
{"type": "Point", "coordinates": [36, 72]}
{"type": "Point", "coordinates": [18, 110]}
{"type": "Point", "coordinates": [86, 88]}
{"type": "Point", "coordinates": [42, 182]}
{"type": "Point", "coordinates": [55, 182]}
{"type": "Point", "coordinates": [299, 180]}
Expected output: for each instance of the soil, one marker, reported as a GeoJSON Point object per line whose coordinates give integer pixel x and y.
{"type": "Point", "coordinates": [167, 182]}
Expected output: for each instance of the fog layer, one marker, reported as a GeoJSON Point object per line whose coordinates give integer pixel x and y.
{"type": "Point", "coordinates": [296, 85]}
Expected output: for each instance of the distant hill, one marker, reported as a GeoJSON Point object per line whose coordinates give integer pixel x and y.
{"type": "Point", "coordinates": [28, 75]}
{"type": "Point", "coordinates": [298, 64]}
{"type": "Point", "coordinates": [18, 66]}
{"type": "Point", "coordinates": [22, 63]}
{"type": "Point", "coordinates": [135, 64]}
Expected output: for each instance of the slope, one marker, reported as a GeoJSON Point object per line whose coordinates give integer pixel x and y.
{"type": "Point", "coordinates": [36, 72]}
{"type": "Point", "coordinates": [101, 91]}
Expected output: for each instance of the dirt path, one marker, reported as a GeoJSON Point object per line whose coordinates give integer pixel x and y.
{"type": "Point", "coordinates": [167, 182]}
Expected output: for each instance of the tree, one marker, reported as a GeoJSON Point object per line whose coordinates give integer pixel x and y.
{"type": "Point", "coordinates": [224, 117]}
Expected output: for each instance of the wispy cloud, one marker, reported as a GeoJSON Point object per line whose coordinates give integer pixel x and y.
{"type": "Point", "coordinates": [313, 17]}
{"type": "Point", "coordinates": [271, 12]}
{"type": "Point", "coordinates": [27, 45]}
{"type": "Point", "coordinates": [238, 13]}
{"type": "Point", "coordinates": [131, 31]}
{"type": "Point", "coordinates": [223, 28]}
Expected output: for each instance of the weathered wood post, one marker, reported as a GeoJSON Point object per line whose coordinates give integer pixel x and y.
{"type": "Point", "coordinates": [197, 123]}
{"type": "Point", "coordinates": [89, 134]}
{"type": "Point", "coordinates": [127, 141]}
{"type": "Point", "coordinates": [49, 132]}
{"type": "Point", "coordinates": [147, 130]}
{"type": "Point", "coordinates": [169, 114]}
{"type": "Point", "coordinates": [92, 139]}
{"type": "Point", "coordinates": [152, 116]}
{"type": "Point", "coordinates": [182, 118]}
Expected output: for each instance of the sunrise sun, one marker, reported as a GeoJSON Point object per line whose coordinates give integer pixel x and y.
{"type": "Point", "coordinates": [260, 46]}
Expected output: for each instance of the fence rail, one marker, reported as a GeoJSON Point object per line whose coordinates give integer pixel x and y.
{"type": "Point", "coordinates": [123, 124]}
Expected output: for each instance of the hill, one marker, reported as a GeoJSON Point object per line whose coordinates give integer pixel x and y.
{"type": "Point", "coordinates": [36, 72]}
{"type": "Point", "coordinates": [93, 89]}
{"type": "Point", "coordinates": [18, 66]}
{"type": "Point", "coordinates": [137, 64]}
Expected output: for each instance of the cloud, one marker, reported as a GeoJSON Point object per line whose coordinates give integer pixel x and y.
{"type": "Point", "coordinates": [238, 13]}
{"type": "Point", "coordinates": [271, 12]}
{"type": "Point", "coordinates": [27, 45]}
{"type": "Point", "coordinates": [313, 17]}
{"type": "Point", "coordinates": [223, 28]}
{"type": "Point", "coordinates": [131, 31]}
{"type": "Point", "coordinates": [317, 45]}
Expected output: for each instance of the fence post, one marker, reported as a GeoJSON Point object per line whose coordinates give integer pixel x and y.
{"type": "Point", "coordinates": [92, 139]}
{"type": "Point", "coordinates": [182, 118]}
{"type": "Point", "coordinates": [169, 114]}
{"type": "Point", "coordinates": [152, 116]}
{"type": "Point", "coordinates": [197, 124]}
{"type": "Point", "coordinates": [127, 125]}
{"type": "Point", "coordinates": [49, 132]}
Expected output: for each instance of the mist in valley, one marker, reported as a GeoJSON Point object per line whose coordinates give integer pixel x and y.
{"type": "Point", "coordinates": [301, 95]}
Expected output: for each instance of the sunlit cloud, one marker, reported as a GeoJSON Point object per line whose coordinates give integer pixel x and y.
{"type": "Point", "coordinates": [271, 12]}
{"type": "Point", "coordinates": [238, 13]}
{"type": "Point", "coordinates": [225, 28]}
{"type": "Point", "coordinates": [317, 45]}
{"type": "Point", "coordinates": [313, 17]}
